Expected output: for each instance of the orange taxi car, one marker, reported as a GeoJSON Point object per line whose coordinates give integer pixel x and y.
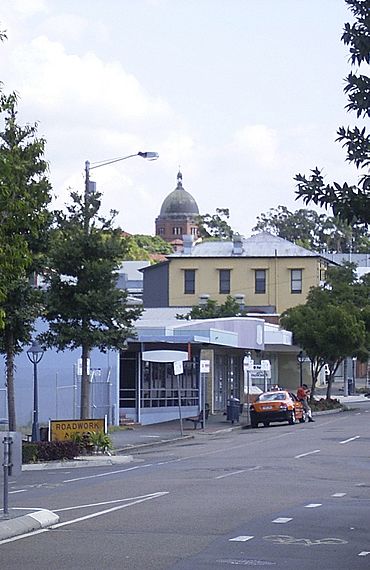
{"type": "Point", "coordinates": [276, 406]}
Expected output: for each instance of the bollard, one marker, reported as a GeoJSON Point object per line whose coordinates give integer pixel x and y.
{"type": "Point", "coordinates": [7, 465]}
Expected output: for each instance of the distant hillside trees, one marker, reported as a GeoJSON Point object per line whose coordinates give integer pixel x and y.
{"type": "Point", "coordinates": [314, 231]}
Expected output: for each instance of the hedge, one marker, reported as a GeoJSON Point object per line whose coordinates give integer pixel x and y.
{"type": "Point", "coordinates": [49, 451]}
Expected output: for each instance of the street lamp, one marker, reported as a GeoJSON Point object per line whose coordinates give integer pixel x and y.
{"type": "Point", "coordinates": [89, 189]}
{"type": "Point", "coordinates": [301, 358]}
{"type": "Point", "coordinates": [35, 354]}
{"type": "Point", "coordinates": [149, 155]}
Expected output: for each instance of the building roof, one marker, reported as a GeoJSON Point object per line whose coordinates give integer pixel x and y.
{"type": "Point", "coordinates": [263, 244]}
{"type": "Point", "coordinates": [179, 202]}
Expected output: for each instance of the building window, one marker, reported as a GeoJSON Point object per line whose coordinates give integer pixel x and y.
{"type": "Point", "coordinates": [260, 281]}
{"type": "Point", "coordinates": [177, 231]}
{"type": "Point", "coordinates": [194, 231]}
{"type": "Point", "coordinates": [189, 281]}
{"type": "Point", "coordinates": [160, 232]}
{"type": "Point", "coordinates": [296, 280]}
{"type": "Point", "coordinates": [224, 275]}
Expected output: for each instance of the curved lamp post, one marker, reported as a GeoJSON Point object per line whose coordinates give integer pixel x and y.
{"type": "Point", "coordinates": [300, 359]}
{"type": "Point", "coordinates": [35, 354]}
{"type": "Point", "coordinates": [149, 155]}
{"type": "Point", "coordinates": [89, 189]}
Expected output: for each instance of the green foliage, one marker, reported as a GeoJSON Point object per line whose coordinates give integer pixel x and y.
{"type": "Point", "coordinates": [314, 231]}
{"type": "Point", "coordinates": [349, 202]}
{"type": "Point", "coordinates": [139, 247]}
{"type": "Point", "coordinates": [49, 451]}
{"type": "Point", "coordinates": [331, 325]}
{"type": "Point", "coordinates": [215, 226]}
{"type": "Point", "coordinates": [24, 222]}
{"type": "Point", "coordinates": [101, 441]}
{"type": "Point", "coordinates": [212, 310]}
{"type": "Point", "coordinates": [84, 308]}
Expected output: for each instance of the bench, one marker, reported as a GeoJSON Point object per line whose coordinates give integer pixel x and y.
{"type": "Point", "coordinates": [199, 418]}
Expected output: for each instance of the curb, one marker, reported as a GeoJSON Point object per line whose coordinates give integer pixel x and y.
{"type": "Point", "coordinates": [151, 444]}
{"type": "Point", "coordinates": [90, 462]}
{"type": "Point", "coordinates": [10, 528]}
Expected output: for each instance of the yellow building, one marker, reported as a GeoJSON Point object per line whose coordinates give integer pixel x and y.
{"type": "Point", "coordinates": [265, 273]}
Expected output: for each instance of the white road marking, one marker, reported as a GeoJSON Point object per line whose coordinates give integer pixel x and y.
{"type": "Point", "coordinates": [106, 511]}
{"type": "Point", "coordinates": [241, 538]}
{"type": "Point", "coordinates": [364, 553]}
{"type": "Point", "coordinates": [99, 504]}
{"type": "Point", "coordinates": [339, 494]}
{"type": "Point", "coordinates": [350, 439]}
{"type": "Point", "coordinates": [313, 505]}
{"type": "Point", "coordinates": [230, 474]}
{"type": "Point", "coordinates": [19, 491]}
{"type": "Point", "coordinates": [103, 474]}
{"type": "Point", "coordinates": [308, 453]}
{"type": "Point", "coordinates": [282, 520]}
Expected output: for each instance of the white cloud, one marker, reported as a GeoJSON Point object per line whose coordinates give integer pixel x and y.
{"type": "Point", "coordinates": [260, 142]}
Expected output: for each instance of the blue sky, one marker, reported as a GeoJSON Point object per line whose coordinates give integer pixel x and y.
{"type": "Point", "coordinates": [241, 94]}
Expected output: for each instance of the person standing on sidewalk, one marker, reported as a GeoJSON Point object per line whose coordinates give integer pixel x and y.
{"type": "Point", "coordinates": [302, 394]}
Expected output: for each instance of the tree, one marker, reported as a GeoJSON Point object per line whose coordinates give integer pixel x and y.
{"type": "Point", "coordinates": [212, 310]}
{"type": "Point", "coordinates": [24, 220]}
{"type": "Point", "coordinates": [333, 323]}
{"type": "Point", "coordinates": [350, 202]}
{"type": "Point", "coordinates": [84, 308]}
{"type": "Point", "coordinates": [314, 231]}
{"type": "Point", "coordinates": [139, 247]}
{"type": "Point", "coordinates": [215, 226]}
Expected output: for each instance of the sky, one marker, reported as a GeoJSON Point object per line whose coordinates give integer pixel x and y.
{"type": "Point", "coordinates": [241, 95]}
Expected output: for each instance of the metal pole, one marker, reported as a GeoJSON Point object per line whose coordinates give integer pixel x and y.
{"type": "Point", "coordinates": [35, 422]}
{"type": "Point", "coordinates": [6, 441]}
{"type": "Point", "coordinates": [179, 398]}
{"type": "Point", "coordinates": [248, 410]}
{"type": "Point", "coordinates": [204, 399]}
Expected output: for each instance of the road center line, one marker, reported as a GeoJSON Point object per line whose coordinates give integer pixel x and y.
{"type": "Point", "coordinates": [230, 474]}
{"type": "Point", "coordinates": [308, 453]}
{"type": "Point", "coordinates": [282, 520]}
{"type": "Point", "coordinates": [350, 439]}
{"type": "Point", "coordinates": [339, 494]}
{"type": "Point", "coordinates": [313, 505]}
{"type": "Point", "coordinates": [241, 538]}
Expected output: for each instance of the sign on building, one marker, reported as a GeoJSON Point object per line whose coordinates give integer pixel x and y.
{"type": "Point", "coordinates": [205, 366]}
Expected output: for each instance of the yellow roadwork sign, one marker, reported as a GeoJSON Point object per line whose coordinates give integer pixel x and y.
{"type": "Point", "coordinates": [63, 430]}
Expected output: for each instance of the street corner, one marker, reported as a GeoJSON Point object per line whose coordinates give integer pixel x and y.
{"type": "Point", "coordinates": [12, 527]}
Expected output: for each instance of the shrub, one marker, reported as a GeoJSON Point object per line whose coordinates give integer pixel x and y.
{"type": "Point", "coordinates": [49, 451]}
{"type": "Point", "coordinates": [29, 452]}
{"type": "Point", "coordinates": [324, 404]}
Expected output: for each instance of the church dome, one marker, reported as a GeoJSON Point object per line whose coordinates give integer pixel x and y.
{"type": "Point", "coordinates": [179, 202]}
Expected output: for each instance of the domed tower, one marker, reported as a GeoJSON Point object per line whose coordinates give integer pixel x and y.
{"type": "Point", "coordinates": [178, 215]}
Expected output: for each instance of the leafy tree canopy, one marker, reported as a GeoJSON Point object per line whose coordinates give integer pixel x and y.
{"type": "Point", "coordinates": [314, 231]}
{"type": "Point", "coordinates": [84, 308]}
{"type": "Point", "coordinates": [140, 247]}
{"type": "Point", "coordinates": [350, 202]}
{"type": "Point", "coordinates": [24, 221]}
{"type": "Point", "coordinates": [215, 226]}
{"type": "Point", "coordinates": [212, 310]}
{"type": "Point", "coordinates": [334, 322]}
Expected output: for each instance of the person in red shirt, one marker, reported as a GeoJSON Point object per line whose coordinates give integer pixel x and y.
{"type": "Point", "coordinates": [302, 394]}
